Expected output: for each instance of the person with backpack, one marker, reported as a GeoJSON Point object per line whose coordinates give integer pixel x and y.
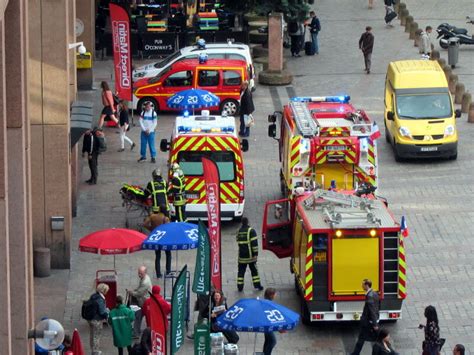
{"type": "Point", "coordinates": [148, 120]}
{"type": "Point", "coordinates": [93, 144]}
{"type": "Point", "coordinates": [109, 103]}
{"type": "Point", "coordinates": [314, 28]}
{"type": "Point", "coordinates": [95, 312]}
{"type": "Point", "coordinates": [121, 319]}
{"type": "Point", "coordinates": [124, 126]}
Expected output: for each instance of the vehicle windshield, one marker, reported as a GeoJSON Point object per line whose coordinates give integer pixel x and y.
{"type": "Point", "coordinates": [158, 77]}
{"type": "Point", "coordinates": [191, 164]}
{"type": "Point", "coordinates": [424, 106]}
{"type": "Point", "coordinates": [167, 60]}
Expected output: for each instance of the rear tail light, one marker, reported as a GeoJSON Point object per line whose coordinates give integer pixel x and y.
{"type": "Point", "coordinates": [394, 315]}
{"type": "Point", "coordinates": [317, 316]}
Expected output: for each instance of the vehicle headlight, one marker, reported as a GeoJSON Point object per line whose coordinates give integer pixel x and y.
{"type": "Point", "coordinates": [449, 131]}
{"type": "Point", "coordinates": [404, 132]}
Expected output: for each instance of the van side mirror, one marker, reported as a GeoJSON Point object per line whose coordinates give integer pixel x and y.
{"type": "Point", "coordinates": [272, 130]}
{"type": "Point", "coordinates": [164, 145]}
{"type": "Point", "coordinates": [457, 113]}
{"type": "Point", "coordinates": [390, 116]}
{"type": "Point", "coordinates": [244, 145]}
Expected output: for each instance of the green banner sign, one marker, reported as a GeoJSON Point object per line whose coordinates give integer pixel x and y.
{"type": "Point", "coordinates": [202, 272]}
{"type": "Point", "coordinates": [202, 339]}
{"type": "Point", "coordinates": [178, 311]}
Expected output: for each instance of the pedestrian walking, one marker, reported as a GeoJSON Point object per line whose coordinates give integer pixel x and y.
{"type": "Point", "coordinates": [101, 314]}
{"type": "Point", "coordinates": [219, 306]}
{"type": "Point", "coordinates": [425, 42]}
{"type": "Point", "coordinates": [177, 190]}
{"type": "Point", "coordinates": [459, 349]}
{"type": "Point", "coordinates": [91, 147]}
{"type": "Point", "coordinates": [366, 45]}
{"type": "Point", "coordinates": [248, 253]}
{"type": "Point", "coordinates": [109, 109]}
{"type": "Point", "coordinates": [382, 344]}
{"type": "Point", "coordinates": [432, 343]}
{"type": "Point", "coordinates": [165, 306]}
{"type": "Point", "coordinates": [124, 126]}
{"type": "Point", "coordinates": [389, 12]}
{"type": "Point", "coordinates": [270, 338]}
{"type": "Point", "coordinates": [156, 219]}
{"type": "Point", "coordinates": [314, 29]}
{"type": "Point", "coordinates": [121, 319]}
{"type": "Point", "coordinates": [369, 321]}
{"type": "Point", "coordinates": [246, 108]}
{"type": "Point", "coordinates": [296, 31]}
{"type": "Point", "coordinates": [148, 120]}
{"type": "Point", "coordinates": [139, 295]}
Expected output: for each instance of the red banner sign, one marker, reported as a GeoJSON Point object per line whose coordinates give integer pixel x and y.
{"type": "Point", "coordinates": [122, 51]}
{"type": "Point", "coordinates": [211, 177]}
{"type": "Point", "coordinates": [158, 328]}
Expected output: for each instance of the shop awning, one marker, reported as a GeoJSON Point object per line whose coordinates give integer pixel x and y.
{"type": "Point", "coordinates": [81, 119]}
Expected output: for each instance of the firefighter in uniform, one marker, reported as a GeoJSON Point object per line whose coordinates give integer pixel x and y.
{"type": "Point", "coordinates": [177, 189]}
{"type": "Point", "coordinates": [247, 241]}
{"type": "Point", "coordinates": [157, 189]}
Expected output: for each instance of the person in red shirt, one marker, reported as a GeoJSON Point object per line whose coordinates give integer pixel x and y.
{"type": "Point", "coordinates": [165, 306]}
{"type": "Point", "coordinates": [109, 105]}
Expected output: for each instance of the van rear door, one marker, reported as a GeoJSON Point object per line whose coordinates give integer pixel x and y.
{"type": "Point", "coordinates": [276, 230]}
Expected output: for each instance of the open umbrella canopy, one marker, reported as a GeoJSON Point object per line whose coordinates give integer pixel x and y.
{"type": "Point", "coordinates": [193, 98]}
{"type": "Point", "coordinates": [112, 241]}
{"type": "Point", "coordinates": [173, 236]}
{"type": "Point", "coordinates": [257, 315]}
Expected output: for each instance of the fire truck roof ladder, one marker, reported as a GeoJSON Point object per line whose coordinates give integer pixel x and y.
{"type": "Point", "coordinates": [304, 119]}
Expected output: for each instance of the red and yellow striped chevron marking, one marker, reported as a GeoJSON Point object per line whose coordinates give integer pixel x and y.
{"type": "Point", "coordinates": [294, 152]}
{"type": "Point", "coordinates": [350, 152]}
{"type": "Point", "coordinates": [335, 132]}
{"type": "Point", "coordinates": [308, 284]}
{"type": "Point", "coordinates": [371, 155]}
{"type": "Point", "coordinates": [362, 176]}
{"type": "Point", "coordinates": [230, 191]}
{"type": "Point", "coordinates": [402, 269]}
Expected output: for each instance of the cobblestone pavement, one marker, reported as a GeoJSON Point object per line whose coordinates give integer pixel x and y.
{"type": "Point", "coordinates": [436, 197]}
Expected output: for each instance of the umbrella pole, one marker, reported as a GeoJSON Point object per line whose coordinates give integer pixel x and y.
{"type": "Point", "coordinates": [255, 343]}
{"type": "Point", "coordinates": [114, 261]}
{"type": "Point", "coordinates": [176, 260]}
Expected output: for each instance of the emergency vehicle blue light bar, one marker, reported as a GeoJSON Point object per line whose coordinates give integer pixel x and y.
{"type": "Point", "coordinates": [344, 99]}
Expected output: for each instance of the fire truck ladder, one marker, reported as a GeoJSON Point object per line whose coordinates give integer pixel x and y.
{"type": "Point", "coordinates": [347, 211]}
{"type": "Point", "coordinates": [304, 119]}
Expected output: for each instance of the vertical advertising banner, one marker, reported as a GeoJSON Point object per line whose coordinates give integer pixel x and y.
{"type": "Point", "coordinates": [120, 22]}
{"type": "Point", "coordinates": [202, 271]}
{"type": "Point", "coordinates": [212, 180]}
{"type": "Point", "coordinates": [178, 312]}
{"type": "Point", "coordinates": [158, 328]}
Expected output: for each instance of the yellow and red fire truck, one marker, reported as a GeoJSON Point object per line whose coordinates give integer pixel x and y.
{"type": "Point", "coordinates": [214, 137]}
{"type": "Point", "coordinates": [325, 142]}
{"type": "Point", "coordinates": [335, 240]}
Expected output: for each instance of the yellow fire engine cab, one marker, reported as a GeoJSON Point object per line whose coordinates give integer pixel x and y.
{"type": "Point", "coordinates": [335, 240]}
{"type": "Point", "coordinates": [213, 137]}
{"type": "Point", "coordinates": [325, 142]}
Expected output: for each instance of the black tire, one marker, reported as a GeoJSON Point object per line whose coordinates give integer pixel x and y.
{"type": "Point", "coordinates": [398, 157]}
{"type": "Point", "coordinates": [387, 135]}
{"type": "Point", "coordinates": [142, 102]}
{"type": "Point", "coordinates": [305, 318]}
{"type": "Point", "coordinates": [297, 286]}
{"type": "Point", "coordinates": [443, 44]}
{"type": "Point", "coordinates": [230, 106]}
{"type": "Point", "coordinates": [453, 157]}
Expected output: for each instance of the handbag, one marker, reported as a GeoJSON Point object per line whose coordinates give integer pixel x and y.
{"type": "Point", "coordinates": [249, 120]}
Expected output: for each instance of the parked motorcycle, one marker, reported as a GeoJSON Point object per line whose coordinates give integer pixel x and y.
{"type": "Point", "coordinates": [447, 31]}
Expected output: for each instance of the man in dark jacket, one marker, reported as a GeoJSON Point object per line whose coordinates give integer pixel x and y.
{"type": "Point", "coordinates": [314, 28]}
{"type": "Point", "coordinates": [366, 45]}
{"type": "Point", "coordinates": [246, 108]}
{"type": "Point", "coordinates": [90, 145]}
{"type": "Point", "coordinates": [369, 321]}
{"type": "Point", "coordinates": [247, 241]}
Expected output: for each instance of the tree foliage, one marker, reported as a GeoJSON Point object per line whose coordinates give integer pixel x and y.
{"type": "Point", "coordinates": [292, 9]}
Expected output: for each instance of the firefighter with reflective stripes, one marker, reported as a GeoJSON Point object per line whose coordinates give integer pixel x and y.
{"type": "Point", "coordinates": [177, 189]}
{"type": "Point", "coordinates": [247, 241]}
{"type": "Point", "coordinates": [157, 189]}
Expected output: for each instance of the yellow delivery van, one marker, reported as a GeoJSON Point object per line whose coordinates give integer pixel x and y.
{"type": "Point", "coordinates": [420, 120]}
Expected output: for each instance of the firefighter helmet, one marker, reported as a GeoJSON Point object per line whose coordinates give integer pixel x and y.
{"type": "Point", "coordinates": [156, 173]}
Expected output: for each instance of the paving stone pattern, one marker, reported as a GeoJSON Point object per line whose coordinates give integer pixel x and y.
{"type": "Point", "coordinates": [436, 197]}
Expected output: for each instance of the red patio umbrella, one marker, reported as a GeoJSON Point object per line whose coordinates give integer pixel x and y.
{"type": "Point", "coordinates": [76, 344]}
{"type": "Point", "coordinates": [112, 241]}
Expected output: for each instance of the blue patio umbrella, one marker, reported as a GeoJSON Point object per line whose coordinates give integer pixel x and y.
{"type": "Point", "coordinates": [257, 315]}
{"type": "Point", "coordinates": [192, 99]}
{"type": "Point", "coordinates": [173, 236]}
